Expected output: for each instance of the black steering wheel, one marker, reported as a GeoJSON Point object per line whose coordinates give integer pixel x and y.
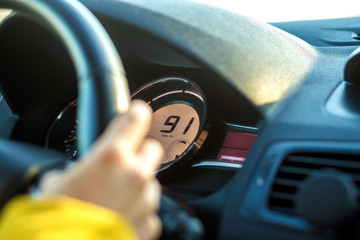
{"type": "Point", "coordinates": [103, 93]}
{"type": "Point", "coordinates": [103, 90]}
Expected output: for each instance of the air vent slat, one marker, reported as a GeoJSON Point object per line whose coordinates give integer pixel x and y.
{"type": "Point", "coordinates": [285, 210]}
{"type": "Point", "coordinates": [287, 182]}
{"type": "Point", "coordinates": [284, 196]}
{"type": "Point", "coordinates": [325, 162]}
{"type": "Point", "coordinates": [294, 170]}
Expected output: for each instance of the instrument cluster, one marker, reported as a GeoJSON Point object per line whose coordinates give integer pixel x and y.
{"type": "Point", "coordinates": [179, 112]}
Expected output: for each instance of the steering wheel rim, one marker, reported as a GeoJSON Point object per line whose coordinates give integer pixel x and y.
{"type": "Point", "coordinates": [102, 86]}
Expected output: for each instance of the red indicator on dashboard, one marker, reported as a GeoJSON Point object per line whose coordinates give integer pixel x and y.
{"type": "Point", "coordinates": [236, 146]}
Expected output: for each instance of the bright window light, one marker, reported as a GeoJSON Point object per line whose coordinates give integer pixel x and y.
{"type": "Point", "coordinates": [287, 10]}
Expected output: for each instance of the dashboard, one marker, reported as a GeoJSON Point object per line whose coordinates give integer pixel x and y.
{"type": "Point", "coordinates": [190, 119]}
{"type": "Point", "coordinates": [250, 115]}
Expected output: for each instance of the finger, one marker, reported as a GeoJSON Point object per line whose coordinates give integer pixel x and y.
{"type": "Point", "coordinates": [132, 127]}
{"type": "Point", "coordinates": [51, 182]}
{"type": "Point", "coordinates": [146, 203]}
{"type": "Point", "coordinates": [149, 228]}
{"type": "Point", "coordinates": [126, 188]}
{"type": "Point", "coordinates": [124, 135]}
{"type": "Point", "coordinates": [150, 156]}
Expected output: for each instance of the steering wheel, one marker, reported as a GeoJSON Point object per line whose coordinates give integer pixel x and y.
{"type": "Point", "coordinates": [103, 90]}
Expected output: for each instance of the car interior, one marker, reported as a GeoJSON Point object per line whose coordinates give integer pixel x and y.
{"type": "Point", "coordinates": [259, 121]}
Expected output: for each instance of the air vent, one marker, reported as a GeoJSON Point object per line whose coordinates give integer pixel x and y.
{"type": "Point", "coordinates": [296, 167]}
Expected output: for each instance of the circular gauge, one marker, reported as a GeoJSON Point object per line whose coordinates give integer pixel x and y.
{"type": "Point", "coordinates": [62, 132]}
{"type": "Point", "coordinates": [70, 143]}
{"type": "Point", "coordinates": [175, 126]}
{"type": "Point", "coordinates": [179, 111]}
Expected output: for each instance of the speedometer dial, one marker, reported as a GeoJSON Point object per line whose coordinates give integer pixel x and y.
{"type": "Point", "coordinates": [70, 143]}
{"type": "Point", "coordinates": [179, 114]}
{"type": "Point", "coordinates": [175, 126]}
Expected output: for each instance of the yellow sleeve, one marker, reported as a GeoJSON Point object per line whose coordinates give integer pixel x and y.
{"type": "Point", "coordinates": [60, 218]}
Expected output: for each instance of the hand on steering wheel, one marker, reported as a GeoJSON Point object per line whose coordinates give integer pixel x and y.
{"type": "Point", "coordinates": [118, 173]}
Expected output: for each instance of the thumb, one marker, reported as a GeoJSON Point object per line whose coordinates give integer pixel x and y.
{"type": "Point", "coordinates": [51, 182]}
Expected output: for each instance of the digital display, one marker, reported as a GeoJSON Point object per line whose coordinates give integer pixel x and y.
{"type": "Point", "coordinates": [175, 126]}
{"type": "Point", "coordinates": [236, 146]}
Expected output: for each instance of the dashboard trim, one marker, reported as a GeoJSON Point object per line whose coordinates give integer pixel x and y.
{"type": "Point", "coordinates": [217, 164]}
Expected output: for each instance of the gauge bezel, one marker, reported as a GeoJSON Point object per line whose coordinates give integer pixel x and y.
{"type": "Point", "coordinates": [172, 90]}
{"type": "Point", "coordinates": [60, 127]}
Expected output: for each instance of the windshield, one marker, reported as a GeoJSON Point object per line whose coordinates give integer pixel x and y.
{"type": "Point", "coordinates": [285, 10]}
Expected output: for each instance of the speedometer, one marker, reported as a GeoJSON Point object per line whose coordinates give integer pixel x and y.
{"type": "Point", "coordinates": [179, 114]}
{"type": "Point", "coordinates": [175, 126]}
{"type": "Point", "coordinates": [179, 110]}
